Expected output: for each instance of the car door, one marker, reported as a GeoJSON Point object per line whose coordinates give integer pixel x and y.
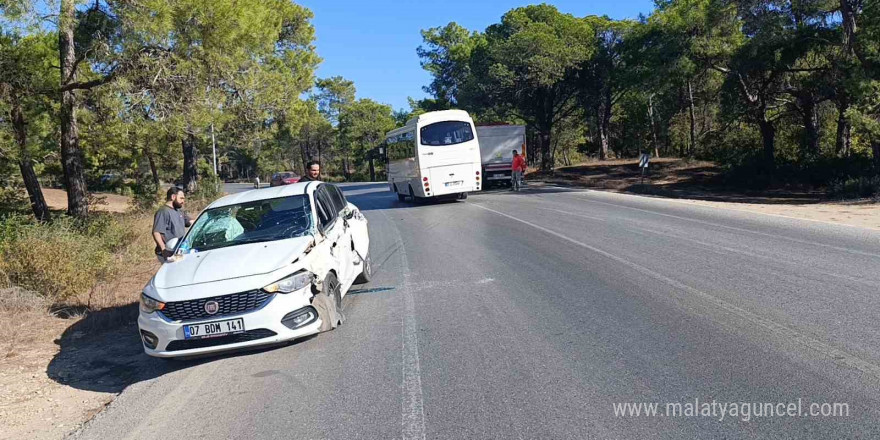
{"type": "Point", "coordinates": [349, 260]}
{"type": "Point", "coordinates": [357, 230]}
{"type": "Point", "coordinates": [335, 233]}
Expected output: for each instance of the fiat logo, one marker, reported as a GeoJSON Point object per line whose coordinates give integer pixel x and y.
{"type": "Point", "coordinates": [212, 307]}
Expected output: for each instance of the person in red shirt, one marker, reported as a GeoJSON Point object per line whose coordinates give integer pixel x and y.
{"type": "Point", "coordinates": [517, 171]}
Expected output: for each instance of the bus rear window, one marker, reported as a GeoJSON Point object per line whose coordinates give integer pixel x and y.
{"type": "Point", "coordinates": [446, 133]}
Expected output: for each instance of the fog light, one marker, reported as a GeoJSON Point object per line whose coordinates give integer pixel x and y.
{"type": "Point", "coordinates": [299, 318]}
{"type": "Point", "coordinates": [150, 340]}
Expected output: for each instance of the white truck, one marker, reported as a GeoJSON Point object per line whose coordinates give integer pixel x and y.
{"type": "Point", "coordinates": [497, 143]}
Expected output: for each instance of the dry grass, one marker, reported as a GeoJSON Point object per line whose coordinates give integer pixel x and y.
{"type": "Point", "coordinates": [60, 273]}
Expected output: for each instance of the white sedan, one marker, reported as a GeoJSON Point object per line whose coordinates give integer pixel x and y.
{"type": "Point", "coordinates": [256, 268]}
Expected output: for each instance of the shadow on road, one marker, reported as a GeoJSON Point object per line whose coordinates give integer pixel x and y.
{"type": "Point", "coordinates": [105, 361]}
{"type": "Point", "coordinates": [93, 359]}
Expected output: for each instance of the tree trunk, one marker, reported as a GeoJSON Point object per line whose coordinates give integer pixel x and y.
{"type": "Point", "coordinates": [875, 150]}
{"type": "Point", "coordinates": [653, 125]}
{"type": "Point", "coordinates": [768, 138]}
{"type": "Point", "coordinates": [602, 126]}
{"type": "Point", "coordinates": [692, 148]}
{"type": "Point", "coordinates": [843, 141]}
{"type": "Point", "coordinates": [153, 170]}
{"type": "Point", "coordinates": [190, 159]}
{"type": "Point", "coordinates": [71, 155]}
{"type": "Point", "coordinates": [811, 127]}
{"type": "Point", "coordinates": [544, 140]}
{"type": "Point", "coordinates": [31, 183]}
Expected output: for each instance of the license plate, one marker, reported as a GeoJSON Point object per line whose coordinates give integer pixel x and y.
{"type": "Point", "coordinates": [456, 183]}
{"type": "Point", "coordinates": [213, 329]}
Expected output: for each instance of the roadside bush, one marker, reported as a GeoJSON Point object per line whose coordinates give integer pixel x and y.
{"type": "Point", "coordinates": [210, 188]}
{"type": "Point", "coordinates": [13, 200]}
{"type": "Point", "coordinates": [65, 258]}
{"type": "Point", "coordinates": [56, 260]}
{"type": "Point", "coordinates": [855, 187]}
{"type": "Point", "coordinates": [147, 196]}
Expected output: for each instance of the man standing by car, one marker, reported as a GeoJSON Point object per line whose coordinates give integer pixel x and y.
{"type": "Point", "coordinates": [313, 172]}
{"type": "Point", "coordinates": [169, 222]}
{"type": "Point", "coordinates": [517, 171]}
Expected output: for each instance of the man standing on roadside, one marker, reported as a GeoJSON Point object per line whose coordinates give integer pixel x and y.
{"type": "Point", "coordinates": [169, 222]}
{"type": "Point", "coordinates": [517, 171]}
{"type": "Point", "coordinates": [313, 172]}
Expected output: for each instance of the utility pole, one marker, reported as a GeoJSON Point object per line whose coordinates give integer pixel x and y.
{"type": "Point", "coordinates": [214, 148]}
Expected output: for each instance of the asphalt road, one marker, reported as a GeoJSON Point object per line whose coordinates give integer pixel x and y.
{"type": "Point", "coordinates": [530, 315]}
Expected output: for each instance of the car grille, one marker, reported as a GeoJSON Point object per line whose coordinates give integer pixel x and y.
{"type": "Point", "coordinates": [250, 335]}
{"type": "Point", "coordinates": [229, 305]}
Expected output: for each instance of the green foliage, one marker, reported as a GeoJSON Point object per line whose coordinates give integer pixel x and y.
{"type": "Point", "coordinates": [146, 196]}
{"type": "Point", "coordinates": [856, 187]}
{"type": "Point", "coordinates": [13, 200]}
{"type": "Point", "coordinates": [64, 258]}
{"type": "Point", "coordinates": [210, 188]}
{"type": "Point", "coordinates": [776, 91]}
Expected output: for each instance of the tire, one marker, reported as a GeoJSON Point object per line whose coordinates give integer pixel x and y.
{"type": "Point", "coordinates": [401, 197]}
{"type": "Point", "coordinates": [462, 196]}
{"type": "Point", "coordinates": [367, 273]}
{"type": "Point", "coordinates": [328, 303]}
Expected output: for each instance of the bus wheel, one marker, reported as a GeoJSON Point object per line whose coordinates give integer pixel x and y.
{"type": "Point", "coordinates": [462, 196]}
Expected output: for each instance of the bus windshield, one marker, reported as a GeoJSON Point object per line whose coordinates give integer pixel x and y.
{"type": "Point", "coordinates": [446, 133]}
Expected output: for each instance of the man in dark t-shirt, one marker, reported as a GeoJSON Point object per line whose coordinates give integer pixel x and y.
{"type": "Point", "coordinates": [169, 222]}
{"type": "Point", "coordinates": [313, 172]}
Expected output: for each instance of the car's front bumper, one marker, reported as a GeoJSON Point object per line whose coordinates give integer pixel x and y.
{"type": "Point", "coordinates": [259, 325]}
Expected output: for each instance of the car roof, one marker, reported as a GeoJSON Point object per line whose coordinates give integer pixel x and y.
{"type": "Point", "coordinates": [266, 193]}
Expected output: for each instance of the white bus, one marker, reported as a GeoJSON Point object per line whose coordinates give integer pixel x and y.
{"type": "Point", "coordinates": [436, 154]}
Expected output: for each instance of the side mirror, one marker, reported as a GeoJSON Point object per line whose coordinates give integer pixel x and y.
{"type": "Point", "coordinates": [170, 244]}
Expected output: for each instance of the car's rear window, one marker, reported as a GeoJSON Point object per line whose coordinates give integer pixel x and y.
{"type": "Point", "coordinates": [446, 133]}
{"type": "Point", "coordinates": [251, 222]}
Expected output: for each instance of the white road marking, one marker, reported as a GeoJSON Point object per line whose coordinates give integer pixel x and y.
{"type": "Point", "coordinates": [412, 411]}
{"type": "Point", "coordinates": [837, 355]}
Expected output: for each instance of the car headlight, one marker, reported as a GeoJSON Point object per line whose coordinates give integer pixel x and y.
{"type": "Point", "coordinates": [150, 305]}
{"type": "Point", "coordinates": [292, 283]}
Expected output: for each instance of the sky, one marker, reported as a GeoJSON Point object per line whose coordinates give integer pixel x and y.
{"type": "Point", "coordinates": [373, 42]}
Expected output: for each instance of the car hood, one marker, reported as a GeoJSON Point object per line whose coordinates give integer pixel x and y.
{"type": "Point", "coordinates": [230, 262]}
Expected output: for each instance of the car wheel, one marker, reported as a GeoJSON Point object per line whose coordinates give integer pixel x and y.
{"type": "Point", "coordinates": [328, 303]}
{"type": "Point", "coordinates": [366, 272]}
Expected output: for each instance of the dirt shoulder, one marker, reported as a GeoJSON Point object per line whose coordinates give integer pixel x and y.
{"type": "Point", "coordinates": [60, 364]}
{"type": "Point", "coordinates": [57, 200]}
{"type": "Point", "coordinates": [701, 183]}
{"type": "Point", "coordinates": [60, 368]}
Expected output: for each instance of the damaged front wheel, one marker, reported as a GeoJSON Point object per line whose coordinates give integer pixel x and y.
{"type": "Point", "coordinates": [328, 303]}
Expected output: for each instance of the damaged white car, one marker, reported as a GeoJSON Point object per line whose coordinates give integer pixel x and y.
{"type": "Point", "coordinates": [256, 268]}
